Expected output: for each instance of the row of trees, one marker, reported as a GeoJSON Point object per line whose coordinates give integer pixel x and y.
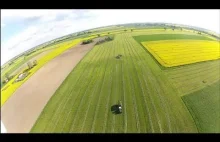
{"type": "Point", "coordinates": [125, 30]}
{"type": "Point", "coordinates": [87, 41]}
{"type": "Point", "coordinates": [109, 38]}
{"type": "Point", "coordinates": [173, 28]}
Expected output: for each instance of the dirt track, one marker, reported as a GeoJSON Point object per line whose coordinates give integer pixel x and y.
{"type": "Point", "coordinates": [22, 109]}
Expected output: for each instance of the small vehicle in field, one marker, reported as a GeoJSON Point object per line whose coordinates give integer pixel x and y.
{"type": "Point", "coordinates": [120, 107]}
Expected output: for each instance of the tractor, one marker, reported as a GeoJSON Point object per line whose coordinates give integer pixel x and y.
{"type": "Point", "coordinates": [120, 106]}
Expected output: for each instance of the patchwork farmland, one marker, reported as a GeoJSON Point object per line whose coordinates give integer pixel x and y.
{"type": "Point", "coordinates": [132, 79]}
{"type": "Point", "coordinates": [151, 72]}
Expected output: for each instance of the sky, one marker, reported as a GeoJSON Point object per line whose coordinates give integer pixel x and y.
{"type": "Point", "coordinates": [24, 29]}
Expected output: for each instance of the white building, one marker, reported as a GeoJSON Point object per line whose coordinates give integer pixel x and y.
{"type": "Point", "coordinates": [3, 129]}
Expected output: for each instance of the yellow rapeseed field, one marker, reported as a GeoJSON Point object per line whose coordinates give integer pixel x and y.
{"type": "Point", "coordinates": [171, 53]}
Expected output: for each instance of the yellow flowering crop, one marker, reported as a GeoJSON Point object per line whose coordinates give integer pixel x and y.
{"type": "Point", "coordinates": [171, 53]}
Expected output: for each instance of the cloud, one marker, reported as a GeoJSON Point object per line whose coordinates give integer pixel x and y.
{"type": "Point", "coordinates": [45, 25]}
{"type": "Point", "coordinates": [2, 25]}
{"type": "Point", "coordinates": [39, 16]}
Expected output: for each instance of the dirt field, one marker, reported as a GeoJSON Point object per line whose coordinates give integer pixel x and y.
{"type": "Point", "coordinates": [21, 111]}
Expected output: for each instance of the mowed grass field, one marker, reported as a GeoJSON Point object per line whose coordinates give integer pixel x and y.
{"type": "Point", "coordinates": [197, 83]}
{"type": "Point", "coordinates": [193, 77]}
{"type": "Point", "coordinates": [11, 87]}
{"type": "Point", "coordinates": [83, 102]}
{"type": "Point", "coordinates": [205, 108]}
{"type": "Point", "coordinates": [171, 53]}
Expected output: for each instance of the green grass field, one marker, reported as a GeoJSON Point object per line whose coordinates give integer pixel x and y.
{"type": "Point", "coordinates": [191, 78]}
{"type": "Point", "coordinates": [204, 107]}
{"type": "Point", "coordinates": [83, 102]}
{"type": "Point", "coordinates": [155, 37]}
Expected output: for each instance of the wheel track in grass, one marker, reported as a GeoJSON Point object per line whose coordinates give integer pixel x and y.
{"type": "Point", "coordinates": [101, 55]}
{"type": "Point", "coordinates": [97, 106]}
{"type": "Point", "coordinates": [66, 96]}
{"type": "Point", "coordinates": [164, 105]}
{"type": "Point", "coordinates": [105, 127]}
{"type": "Point", "coordinates": [152, 102]}
{"type": "Point", "coordinates": [158, 93]}
{"type": "Point", "coordinates": [145, 103]}
{"type": "Point", "coordinates": [78, 108]}
{"type": "Point", "coordinates": [113, 120]}
{"type": "Point", "coordinates": [88, 110]}
{"type": "Point", "coordinates": [69, 100]}
{"type": "Point", "coordinates": [183, 106]}
{"type": "Point", "coordinates": [135, 72]}
{"type": "Point", "coordinates": [108, 99]}
{"type": "Point", "coordinates": [157, 116]}
{"type": "Point", "coordinates": [106, 114]}
{"type": "Point", "coordinates": [124, 120]}
{"type": "Point", "coordinates": [78, 95]}
{"type": "Point", "coordinates": [84, 94]}
{"type": "Point", "coordinates": [113, 125]}
{"type": "Point", "coordinates": [126, 76]}
{"type": "Point", "coordinates": [134, 102]}
{"type": "Point", "coordinates": [132, 91]}
{"type": "Point", "coordinates": [114, 43]}
{"type": "Point", "coordinates": [83, 124]}
{"type": "Point", "coordinates": [162, 100]}
{"type": "Point", "coordinates": [124, 98]}
{"type": "Point", "coordinates": [56, 103]}
{"type": "Point", "coordinates": [118, 95]}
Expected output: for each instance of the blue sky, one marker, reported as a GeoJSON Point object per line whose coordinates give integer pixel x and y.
{"type": "Point", "coordinates": [24, 29]}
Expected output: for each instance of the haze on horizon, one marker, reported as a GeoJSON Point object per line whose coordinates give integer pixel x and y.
{"type": "Point", "coordinates": [24, 29]}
